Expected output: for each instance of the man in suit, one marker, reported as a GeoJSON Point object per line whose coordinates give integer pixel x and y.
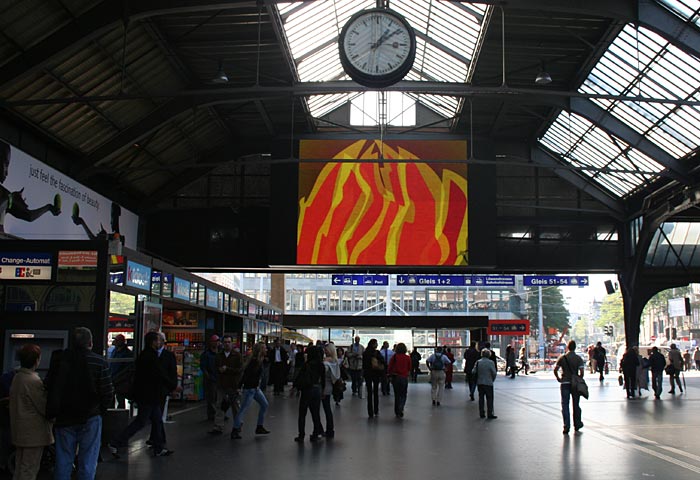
{"type": "Point", "coordinates": [167, 360]}
{"type": "Point", "coordinates": [278, 357]}
{"type": "Point", "coordinates": [151, 385]}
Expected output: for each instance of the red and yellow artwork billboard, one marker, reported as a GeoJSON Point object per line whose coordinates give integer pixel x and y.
{"type": "Point", "coordinates": [409, 208]}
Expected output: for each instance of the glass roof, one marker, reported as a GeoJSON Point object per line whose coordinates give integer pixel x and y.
{"type": "Point", "coordinates": [675, 244]}
{"type": "Point", "coordinates": [607, 159]}
{"type": "Point", "coordinates": [688, 10]}
{"type": "Point", "coordinates": [637, 63]}
{"type": "Point", "coordinates": [447, 34]}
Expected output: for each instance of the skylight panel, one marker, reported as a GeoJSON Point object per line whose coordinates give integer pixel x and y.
{"type": "Point", "coordinates": [688, 10]}
{"type": "Point", "coordinates": [613, 163]}
{"type": "Point", "coordinates": [452, 30]}
{"type": "Point", "coordinates": [641, 63]}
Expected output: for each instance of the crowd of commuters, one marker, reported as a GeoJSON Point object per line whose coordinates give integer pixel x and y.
{"type": "Point", "coordinates": [67, 407]}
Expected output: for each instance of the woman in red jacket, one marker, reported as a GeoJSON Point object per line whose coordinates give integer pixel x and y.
{"type": "Point", "coordinates": [399, 368]}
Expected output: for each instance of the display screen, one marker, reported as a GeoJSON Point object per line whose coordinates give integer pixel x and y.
{"type": "Point", "coordinates": [382, 212]}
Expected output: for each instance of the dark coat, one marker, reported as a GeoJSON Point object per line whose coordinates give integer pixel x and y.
{"type": "Point", "coordinates": [151, 380]}
{"type": "Point", "coordinates": [367, 369]}
{"type": "Point", "coordinates": [283, 355]}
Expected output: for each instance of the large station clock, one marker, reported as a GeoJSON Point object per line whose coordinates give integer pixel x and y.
{"type": "Point", "coordinates": [377, 47]}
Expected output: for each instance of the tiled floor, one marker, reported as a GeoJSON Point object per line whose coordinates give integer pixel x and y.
{"type": "Point", "coordinates": [642, 438]}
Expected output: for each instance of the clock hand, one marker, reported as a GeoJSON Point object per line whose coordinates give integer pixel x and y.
{"type": "Point", "coordinates": [381, 39]}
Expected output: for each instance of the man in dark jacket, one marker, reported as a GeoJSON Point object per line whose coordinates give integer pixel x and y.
{"type": "Point", "coordinates": [229, 366]}
{"type": "Point", "coordinates": [79, 385]}
{"type": "Point", "coordinates": [151, 385]}
{"type": "Point", "coordinates": [657, 363]}
{"type": "Point", "coordinates": [277, 356]}
{"type": "Point", "coordinates": [167, 360]}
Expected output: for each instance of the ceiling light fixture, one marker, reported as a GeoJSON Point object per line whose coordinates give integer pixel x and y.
{"type": "Point", "coordinates": [220, 77]}
{"type": "Point", "coordinates": [543, 78]}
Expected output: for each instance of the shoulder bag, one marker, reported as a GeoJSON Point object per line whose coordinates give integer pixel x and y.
{"type": "Point", "coordinates": [577, 382]}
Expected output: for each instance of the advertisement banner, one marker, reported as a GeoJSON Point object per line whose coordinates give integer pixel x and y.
{"type": "Point", "coordinates": [138, 276]}
{"type": "Point", "coordinates": [380, 202]}
{"type": "Point", "coordinates": [39, 202]}
{"type": "Point", "coordinates": [25, 266]}
{"type": "Point", "coordinates": [181, 289]}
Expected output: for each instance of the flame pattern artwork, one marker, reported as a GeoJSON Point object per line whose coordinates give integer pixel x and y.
{"type": "Point", "coordinates": [383, 213]}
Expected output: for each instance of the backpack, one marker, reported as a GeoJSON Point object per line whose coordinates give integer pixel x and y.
{"type": "Point", "coordinates": [438, 364]}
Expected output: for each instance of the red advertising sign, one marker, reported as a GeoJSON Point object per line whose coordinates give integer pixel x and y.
{"type": "Point", "coordinates": [77, 259]}
{"type": "Point", "coordinates": [516, 328]}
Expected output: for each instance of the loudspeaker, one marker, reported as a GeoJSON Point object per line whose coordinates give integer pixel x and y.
{"type": "Point", "coordinates": [609, 287]}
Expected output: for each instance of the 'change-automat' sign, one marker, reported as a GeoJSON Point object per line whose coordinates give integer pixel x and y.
{"type": "Point", "coordinates": [25, 266]}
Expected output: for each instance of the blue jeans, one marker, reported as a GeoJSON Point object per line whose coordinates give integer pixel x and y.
{"type": "Point", "coordinates": [247, 397]}
{"type": "Point", "coordinates": [567, 392]}
{"type": "Point", "coordinates": [400, 394]}
{"type": "Point", "coordinates": [86, 439]}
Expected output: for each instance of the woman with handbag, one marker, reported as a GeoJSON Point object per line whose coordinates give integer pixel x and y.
{"type": "Point", "coordinates": [373, 370]}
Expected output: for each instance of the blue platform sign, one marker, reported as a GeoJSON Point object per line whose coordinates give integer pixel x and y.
{"type": "Point", "coordinates": [456, 280]}
{"type": "Point", "coordinates": [359, 279]}
{"type": "Point", "coordinates": [555, 280]}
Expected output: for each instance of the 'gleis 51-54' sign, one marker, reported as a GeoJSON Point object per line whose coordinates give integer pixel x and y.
{"type": "Point", "coordinates": [508, 327]}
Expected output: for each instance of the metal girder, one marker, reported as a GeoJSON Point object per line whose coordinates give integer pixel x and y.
{"type": "Point", "coordinates": [610, 124]}
{"type": "Point", "coordinates": [210, 160]}
{"type": "Point", "coordinates": [132, 134]}
{"type": "Point", "coordinates": [456, 89]}
{"type": "Point", "coordinates": [684, 35]}
{"type": "Point", "coordinates": [548, 159]}
{"type": "Point", "coordinates": [97, 21]}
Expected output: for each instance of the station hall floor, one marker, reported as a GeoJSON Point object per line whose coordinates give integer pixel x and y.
{"type": "Point", "coordinates": [622, 439]}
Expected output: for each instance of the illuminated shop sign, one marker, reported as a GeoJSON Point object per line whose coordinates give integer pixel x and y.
{"type": "Point", "coordinates": [138, 276]}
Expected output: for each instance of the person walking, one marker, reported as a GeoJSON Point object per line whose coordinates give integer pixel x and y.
{"type": "Point", "coordinates": [696, 358]}
{"type": "Point", "coordinates": [168, 362]}
{"type": "Point", "coordinates": [29, 427]}
{"type": "Point", "coordinates": [510, 361]}
{"type": "Point", "coordinates": [354, 355]}
{"type": "Point", "coordinates": [79, 392]}
{"type": "Point", "coordinates": [373, 370]}
{"type": "Point", "coordinates": [657, 362]}
{"type": "Point", "coordinates": [399, 368]}
{"type": "Point", "coordinates": [309, 383]}
{"type": "Point", "coordinates": [628, 367]}
{"type": "Point", "coordinates": [687, 360]}
{"type": "Point", "coordinates": [229, 366]}
{"type": "Point", "coordinates": [386, 354]}
{"type": "Point", "coordinates": [471, 356]}
{"type": "Point", "coordinates": [207, 364]}
{"type": "Point", "coordinates": [252, 373]}
{"type": "Point", "coordinates": [436, 364]}
{"type": "Point", "coordinates": [569, 364]}
{"type": "Point", "coordinates": [600, 356]}
{"type": "Point", "coordinates": [485, 372]}
{"type": "Point", "coordinates": [415, 364]}
{"type": "Point", "coordinates": [449, 370]}
{"type": "Point", "coordinates": [152, 383]}
{"type": "Point", "coordinates": [121, 368]}
{"type": "Point", "coordinates": [675, 360]}
{"type": "Point", "coordinates": [332, 374]}
{"type": "Point", "coordinates": [524, 364]}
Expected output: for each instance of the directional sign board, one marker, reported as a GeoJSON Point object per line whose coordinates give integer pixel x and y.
{"type": "Point", "coordinates": [456, 280]}
{"type": "Point", "coordinates": [508, 327]}
{"type": "Point", "coordinates": [359, 279]}
{"type": "Point", "coordinates": [555, 280]}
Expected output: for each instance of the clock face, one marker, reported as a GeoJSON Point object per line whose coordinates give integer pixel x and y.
{"type": "Point", "coordinates": [377, 47]}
